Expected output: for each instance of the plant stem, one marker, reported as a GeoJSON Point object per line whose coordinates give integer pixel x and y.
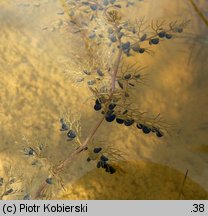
{"type": "Point", "coordinates": [201, 15]}
{"type": "Point", "coordinates": [65, 162]}
{"type": "Point", "coordinates": [69, 159]}
{"type": "Point", "coordinates": [184, 181]}
{"type": "Point", "coordinates": [114, 75]}
{"type": "Point", "coordinates": [116, 71]}
{"type": "Point", "coordinates": [41, 188]}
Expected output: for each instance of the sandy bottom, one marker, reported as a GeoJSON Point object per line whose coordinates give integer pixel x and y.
{"type": "Point", "coordinates": [142, 180]}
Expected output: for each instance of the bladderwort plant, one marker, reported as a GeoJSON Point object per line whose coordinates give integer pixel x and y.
{"type": "Point", "coordinates": [110, 41]}
{"type": "Point", "coordinates": [10, 184]}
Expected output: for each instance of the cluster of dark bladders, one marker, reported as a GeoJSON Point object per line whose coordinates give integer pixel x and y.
{"type": "Point", "coordinates": [110, 116]}
{"type": "Point", "coordinates": [127, 46]}
{"type": "Point", "coordinates": [124, 28]}
{"type": "Point", "coordinates": [103, 161]}
{"type": "Point", "coordinates": [9, 191]}
{"type": "Point", "coordinates": [102, 4]}
{"type": "Point", "coordinates": [71, 134]}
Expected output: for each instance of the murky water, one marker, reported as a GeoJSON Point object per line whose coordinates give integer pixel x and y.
{"type": "Point", "coordinates": [38, 67]}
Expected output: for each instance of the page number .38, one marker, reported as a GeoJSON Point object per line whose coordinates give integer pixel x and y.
{"type": "Point", "coordinates": [198, 208]}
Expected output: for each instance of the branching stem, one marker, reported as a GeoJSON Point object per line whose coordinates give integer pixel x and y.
{"type": "Point", "coordinates": [57, 169]}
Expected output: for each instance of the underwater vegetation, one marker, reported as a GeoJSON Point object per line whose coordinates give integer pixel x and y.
{"type": "Point", "coordinates": [102, 25]}
{"type": "Point", "coordinates": [106, 31]}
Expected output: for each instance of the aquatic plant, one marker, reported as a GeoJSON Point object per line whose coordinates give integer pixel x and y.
{"type": "Point", "coordinates": [105, 31]}
{"type": "Point", "coordinates": [10, 183]}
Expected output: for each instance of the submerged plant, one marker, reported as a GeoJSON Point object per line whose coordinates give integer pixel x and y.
{"type": "Point", "coordinates": [10, 184]}
{"type": "Point", "coordinates": [109, 39]}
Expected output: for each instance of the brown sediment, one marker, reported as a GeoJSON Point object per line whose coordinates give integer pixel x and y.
{"type": "Point", "coordinates": [141, 181]}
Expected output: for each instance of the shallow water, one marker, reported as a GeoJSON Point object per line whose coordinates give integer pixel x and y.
{"type": "Point", "coordinates": [38, 64]}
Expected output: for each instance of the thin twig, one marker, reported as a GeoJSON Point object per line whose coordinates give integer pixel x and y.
{"type": "Point", "coordinates": [201, 15]}
{"type": "Point", "coordinates": [184, 181]}
{"type": "Point", "coordinates": [114, 75]}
